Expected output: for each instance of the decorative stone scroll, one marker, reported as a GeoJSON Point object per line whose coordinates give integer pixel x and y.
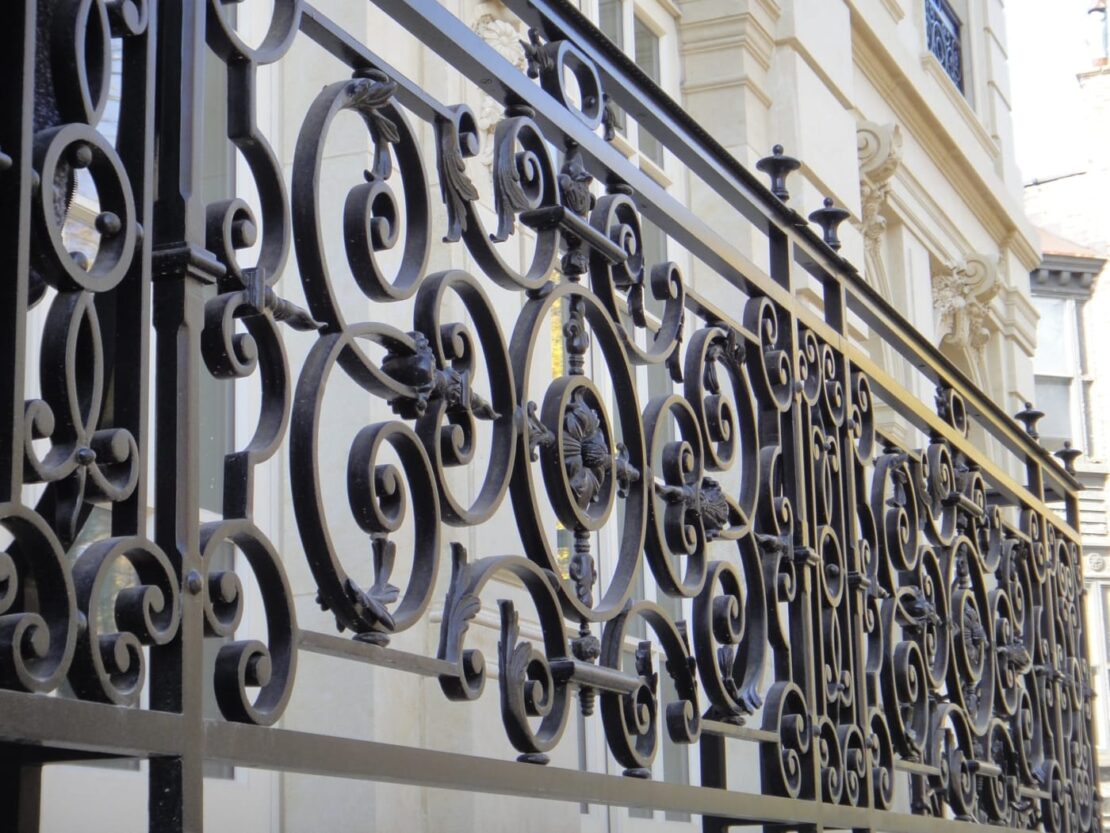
{"type": "Point", "coordinates": [961, 295]}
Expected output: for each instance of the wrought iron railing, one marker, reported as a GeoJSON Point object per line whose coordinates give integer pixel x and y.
{"type": "Point", "coordinates": [942, 33]}
{"type": "Point", "coordinates": [896, 632]}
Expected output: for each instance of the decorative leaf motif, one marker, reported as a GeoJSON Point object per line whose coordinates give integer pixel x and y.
{"type": "Point", "coordinates": [539, 435]}
{"type": "Point", "coordinates": [645, 668]}
{"type": "Point", "coordinates": [461, 606]}
{"type": "Point", "coordinates": [514, 654]}
{"type": "Point", "coordinates": [455, 186]}
{"type": "Point", "coordinates": [385, 553]}
{"type": "Point", "coordinates": [608, 118]}
{"type": "Point", "coordinates": [370, 91]}
{"type": "Point", "coordinates": [509, 197]}
{"type": "Point", "coordinates": [584, 575]}
{"type": "Point", "coordinates": [369, 607]}
{"type": "Point", "coordinates": [539, 61]}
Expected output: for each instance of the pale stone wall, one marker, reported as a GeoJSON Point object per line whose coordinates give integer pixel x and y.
{"type": "Point", "coordinates": [1075, 207]}
{"type": "Point", "coordinates": [931, 207]}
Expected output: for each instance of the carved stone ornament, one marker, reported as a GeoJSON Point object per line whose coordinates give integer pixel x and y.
{"type": "Point", "coordinates": [505, 36]}
{"type": "Point", "coordinates": [961, 295]}
{"type": "Point", "coordinates": [880, 153]}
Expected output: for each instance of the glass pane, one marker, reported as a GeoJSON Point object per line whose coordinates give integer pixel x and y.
{"type": "Point", "coordinates": [628, 663]}
{"type": "Point", "coordinates": [1102, 735]}
{"type": "Point", "coordinates": [1054, 338]}
{"type": "Point", "coordinates": [564, 538]}
{"type": "Point", "coordinates": [647, 59]}
{"type": "Point", "coordinates": [216, 414]}
{"type": "Point", "coordinates": [583, 761]}
{"type": "Point", "coordinates": [943, 34]}
{"type": "Point", "coordinates": [647, 49]}
{"type": "Point", "coordinates": [609, 14]}
{"type": "Point", "coordinates": [655, 252]}
{"type": "Point", "coordinates": [610, 20]}
{"type": "Point", "coordinates": [223, 559]}
{"type": "Point", "coordinates": [1101, 682]}
{"type": "Point", "coordinates": [676, 756]}
{"type": "Point", "coordinates": [1105, 607]}
{"type": "Point", "coordinates": [1054, 398]}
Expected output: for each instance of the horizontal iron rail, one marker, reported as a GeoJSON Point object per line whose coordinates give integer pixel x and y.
{"type": "Point", "coordinates": [336, 646]}
{"type": "Point", "coordinates": [61, 723]}
{"type": "Point", "coordinates": [903, 621]}
{"type": "Point", "coordinates": [64, 723]}
{"type": "Point", "coordinates": [282, 749]}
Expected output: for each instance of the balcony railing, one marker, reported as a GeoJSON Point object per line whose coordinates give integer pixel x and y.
{"type": "Point", "coordinates": [942, 33]}
{"type": "Point", "coordinates": [889, 632]}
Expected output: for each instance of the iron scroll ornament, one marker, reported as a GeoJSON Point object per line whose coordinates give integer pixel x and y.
{"type": "Point", "coordinates": [875, 612]}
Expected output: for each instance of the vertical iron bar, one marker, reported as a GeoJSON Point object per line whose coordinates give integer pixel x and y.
{"type": "Point", "coordinates": [779, 246]}
{"type": "Point", "coordinates": [20, 795]}
{"type": "Point", "coordinates": [130, 302]}
{"type": "Point", "coordinates": [182, 269]}
{"type": "Point", "coordinates": [17, 64]}
{"type": "Point", "coordinates": [799, 488]}
{"type": "Point", "coordinates": [714, 773]}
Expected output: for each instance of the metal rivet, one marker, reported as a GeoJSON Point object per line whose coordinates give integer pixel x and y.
{"type": "Point", "coordinates": [108, 223]}
{"type": "Point", "coordinates": [193, 582]}
{"type": "Point", "coordinates": [244, 233]}
{"type": "Point", "coordinates": [82, 156]}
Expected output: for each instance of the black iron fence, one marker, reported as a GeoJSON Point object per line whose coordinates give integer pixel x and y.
{"type": "Point", "coordinates": [897, 631]}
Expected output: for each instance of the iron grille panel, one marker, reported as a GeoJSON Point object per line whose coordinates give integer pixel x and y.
{"type": "Point", "coordinates": [887, 614]}
{"type": "Point", "coordinates": [942, 32]}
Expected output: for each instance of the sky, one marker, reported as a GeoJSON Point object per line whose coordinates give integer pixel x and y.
{"type": "Point", "coordinates": [1049, 42]}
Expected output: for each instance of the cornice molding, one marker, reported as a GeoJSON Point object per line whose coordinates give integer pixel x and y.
{"type": "Point", "coordinates": [1066, 276]}
{"type": "Point", "coordinates": [743, 29]}
{"type": "Point", "coordinates": [817, 69]}
{"type": "Point", "coordinates": [977, 183]}
{"type": "Point", "coordinates": [732, 83]}
{"type": "Point", "coordinates": [963, 107]}
{"type": "Point", "coordinates": [895, 9]}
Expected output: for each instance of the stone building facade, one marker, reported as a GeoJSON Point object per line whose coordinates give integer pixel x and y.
{"type": "Point", "coordinates": [920, 155]}
{"type": "Point", "coordinates": [1070, 287]}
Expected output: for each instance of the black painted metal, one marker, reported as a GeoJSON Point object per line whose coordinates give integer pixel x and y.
{"type": "Point", "coordinates": [942, 33]}
{"type": "Point", "coordinates": [887, 614]}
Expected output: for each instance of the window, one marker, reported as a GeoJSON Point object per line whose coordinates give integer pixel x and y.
{"type": "Point", "coordinates": [633, 30]}
{"type": "Point", "coordinates": [1098, 650]}
{"type": "Point", "coordinates": [610, 19]}
{"type": "Point", "coordinates": [944, 37]}
{"type": "Point", "coordinates": [646, 45]}
{"type": "Point", "coordinates": [1058, 364]}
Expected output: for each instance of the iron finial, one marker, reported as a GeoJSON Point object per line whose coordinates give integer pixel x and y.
{"type": "Point", "coordinates": [1029, 417]}
{"type": "Point", "coordinates": [1068, 456]}
{"type": "Point", "coordinates": [778, 166]}
{"type": "Point", "coordinates": [829, 219]}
